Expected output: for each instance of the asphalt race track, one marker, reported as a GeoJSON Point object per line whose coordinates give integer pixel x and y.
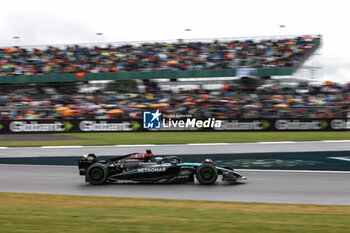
{"type": "Point", "coordinates": [262, 186]}
{"type": "Point", "coordinates": [178, 149]}
{"type": "Point", "coordinates": [300, 187]}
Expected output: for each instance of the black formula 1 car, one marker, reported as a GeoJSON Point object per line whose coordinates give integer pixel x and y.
{"type": "Point", "coordinates": [143, 168]}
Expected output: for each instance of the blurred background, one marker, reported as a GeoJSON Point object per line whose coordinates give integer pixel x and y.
{"type": "Point", "coordinates": [103, 62]}
{"type": "Point", "coordinates": [223, 78]}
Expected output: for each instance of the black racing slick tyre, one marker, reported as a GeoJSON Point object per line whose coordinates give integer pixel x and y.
{"type": "Point", "coordinates": [97, 174]}
{"type": "Point", "coordinates": [207, 173]}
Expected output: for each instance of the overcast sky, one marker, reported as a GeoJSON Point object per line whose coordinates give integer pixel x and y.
{"type": "Point", "coordinates": [75, 21]}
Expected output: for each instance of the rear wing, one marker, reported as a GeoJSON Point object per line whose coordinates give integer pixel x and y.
{"type": "Point", "coordinates": [85, 163]}
{"type": "Point", "coordinates": [83, 166]}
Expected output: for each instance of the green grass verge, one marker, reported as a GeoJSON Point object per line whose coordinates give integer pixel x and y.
{"type": "Point", "coordinates": [66, 213]}
{"type": "Point", "coordinates": [181, 137]}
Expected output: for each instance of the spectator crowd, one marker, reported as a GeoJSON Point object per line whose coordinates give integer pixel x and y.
{"type": "Point", "coordinates": [304, 100]}
{"type": "Point", "coordinates": [231, 101]}
{"type": "Point", "coordinates": [156, 56]}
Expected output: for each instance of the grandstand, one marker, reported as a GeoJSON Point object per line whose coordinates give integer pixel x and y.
{"type": "Point", "coordinates": [46, 82]}
{"type": "Point", "coordinates": [153, 60]}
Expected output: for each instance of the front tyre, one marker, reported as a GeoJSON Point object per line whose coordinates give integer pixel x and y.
{"type": "Point", "coordinates": [97, 174]}
{"type": "Point", "coordinates": [207, 173]}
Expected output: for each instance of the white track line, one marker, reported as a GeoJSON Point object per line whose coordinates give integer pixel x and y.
{"type": "Point", "coordinates": [340, 158]}
{"type": "Point", "coordinates": [188, 144]}
{"type": "Point", "coordinates": [208, 144]}
{"type": "Point", "coordinates": [60, 147]}
{"type": "Point", "coordinates": [276, 142]}
{"type": "Point", "coordinates": [335, 140]}
{"type": "Point", "coordinates": [3, 147]}
{"type": "Point", "coordinates": [144, 145]}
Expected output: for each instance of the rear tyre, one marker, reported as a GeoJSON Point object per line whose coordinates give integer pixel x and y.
{"type": "Point", "coordinates": [97, 174]}
{"type": "Point", "coordinates": [207, 173]}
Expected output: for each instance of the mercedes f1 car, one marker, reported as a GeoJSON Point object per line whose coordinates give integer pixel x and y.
{"type": "Point", "coordinates": [143, 168]}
